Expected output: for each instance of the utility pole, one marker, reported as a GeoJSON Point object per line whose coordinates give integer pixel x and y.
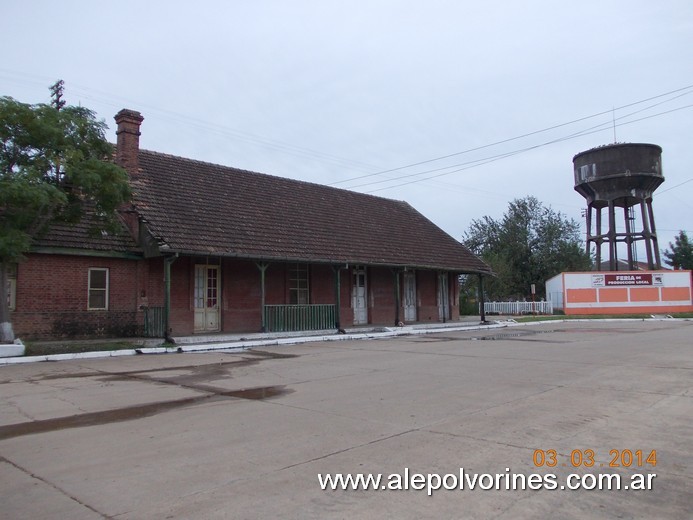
{"type": "Point", "coordinates": [58, 103]}
{"type": "Point", "coordinates": [57, 89]}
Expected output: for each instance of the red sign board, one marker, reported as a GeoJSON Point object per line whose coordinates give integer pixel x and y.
{"type": "Point", "coordinates": [627, 279]}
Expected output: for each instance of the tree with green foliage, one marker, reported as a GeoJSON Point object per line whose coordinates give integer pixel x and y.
{"type": "Point", "coordinates": [55, 164]}
{"type": "Point", "coordinates": [680, 253]}
{"type": "Point", "coordinates": [529, 245]}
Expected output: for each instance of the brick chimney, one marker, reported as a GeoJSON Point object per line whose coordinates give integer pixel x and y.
{"type": "Point", "coordinates": [128, 140]}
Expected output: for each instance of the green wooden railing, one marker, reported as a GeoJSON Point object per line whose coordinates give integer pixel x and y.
{"type": "Point", "coordinates": [154, 323]}
{"type": "Point", "coordinates": [287, 318]}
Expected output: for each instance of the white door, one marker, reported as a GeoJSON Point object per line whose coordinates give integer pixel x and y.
{"type": "Point", "coordinates": [359, 301]}
{"type": "Point", "coordinates": [206, 298]}
{"type": "Point", "coordinates": [443, 297]}
{"type": "Point", "coordinates": [409, 296]}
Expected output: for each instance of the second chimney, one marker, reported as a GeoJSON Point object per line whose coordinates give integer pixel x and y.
{"type": "Point", "coordinates": [128, 140]}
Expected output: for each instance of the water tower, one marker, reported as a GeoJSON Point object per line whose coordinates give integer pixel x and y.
{"type": "Point", "coordinates": [620, 176]}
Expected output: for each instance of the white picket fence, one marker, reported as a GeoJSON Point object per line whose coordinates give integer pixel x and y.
{"type": "Point", "coordinates": [518, 308]}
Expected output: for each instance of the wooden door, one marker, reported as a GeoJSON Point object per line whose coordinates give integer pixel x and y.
{"type": "Point", "coordinates": [359, 298]}
{"type": "Point", "coordinates": [207, 298]}
{"type": "Point", "coordinates": [443, 297]}
{"type": "Point", "coordinates": [409, 296]}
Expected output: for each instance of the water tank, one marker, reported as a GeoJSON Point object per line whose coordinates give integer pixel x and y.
{"type": "Point", "coordinates": [621, 175]}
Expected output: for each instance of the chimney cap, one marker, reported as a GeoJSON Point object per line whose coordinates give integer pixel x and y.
{"type": "Point", "coordinates": [129, 115]}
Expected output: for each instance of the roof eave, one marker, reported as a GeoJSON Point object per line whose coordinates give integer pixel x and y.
{"type": "Point", "coordinates": [74, 251]}
{"type": "Point", "coordinates": [325, 261]}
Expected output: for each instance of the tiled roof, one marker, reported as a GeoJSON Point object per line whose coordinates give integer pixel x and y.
{"type": "Point", "coordinates": [201, 208]}
{"type": "Point", "coordinates": [78, 236]}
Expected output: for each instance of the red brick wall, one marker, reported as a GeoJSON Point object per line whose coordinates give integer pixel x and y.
{"type": "Point", "coordinates": [182, 317]}
{"type": "Point", "coordinates": [52, 295]}
{"type": "Point", "coordinates": [241, 296]}
{"type": "Point", "coordinates": [346, 316]}
{"type": "Point", "coordinates": [241, 299]}
{"type": "Point", "coordinates": [154, 281]}
{"type": "Point", "coordinates": [427, 296]}
{"type": "Point", "coordinates": [52, 298]}
{"type": "Point", "coordinates": [276, 284]}
{"type": "Point", "coordinates": [381, 297]}
{"type": "Point", "coordinates": [322, 284]}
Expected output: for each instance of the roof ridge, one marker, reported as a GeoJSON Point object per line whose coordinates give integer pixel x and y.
{"type": "Point", "coordinates": [274, 176]}
{"type": "Point", "coordinates": [199, 207]}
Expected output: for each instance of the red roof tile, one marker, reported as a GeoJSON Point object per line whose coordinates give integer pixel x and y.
{"type": "Point", "coordinates": [201, 208]}
{"type": "Point", "coordinates": [79, 236]}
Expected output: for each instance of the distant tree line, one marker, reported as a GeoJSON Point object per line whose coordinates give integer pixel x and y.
{"type": "Point", "coordinates": [531, 243]}
{"type": "Point", "coordinates": [680, 253]}
{"type": "Point", "coordinates": [528, 245]}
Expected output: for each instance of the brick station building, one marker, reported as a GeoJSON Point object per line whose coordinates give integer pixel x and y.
{"type": "Point", "coordinates": [207, 248]}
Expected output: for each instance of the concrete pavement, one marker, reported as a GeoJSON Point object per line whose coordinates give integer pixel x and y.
{"type": "Point", "coordinates": [244, 434]}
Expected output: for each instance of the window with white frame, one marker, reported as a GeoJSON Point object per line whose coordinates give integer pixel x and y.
{"type": "Point", "coordinates": [298, 284]}
{"type": "Point", "coordinates": [12, 286]}
{"type": "Point", "coordinates": [98, 289]}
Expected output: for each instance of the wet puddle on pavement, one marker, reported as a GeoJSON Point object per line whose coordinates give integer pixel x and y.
{"type": "Point", "coordinates": [135, 412]}
{"type": "Point", "coordinates": [258, 394]}
{"type": "Point", "coordinates": [525, 335]}
{"type": "Point", "coordinates": [193, 377]}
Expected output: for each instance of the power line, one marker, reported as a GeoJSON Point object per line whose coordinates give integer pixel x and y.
{"type": "Point", "coordinates": [676, 186]}
{"type": "Point", "coordinates": [110, 99]}
{"type": "Point", "coordinates": [118, 101]}
{"type": "Point", "coordinates": [256, 139]}
{"type": "Point", "coordinates": [529, 134]}
{"type": "Point", "coordinates": [480, 162]}
{"type": "Point", "coordinates": [486, 160]}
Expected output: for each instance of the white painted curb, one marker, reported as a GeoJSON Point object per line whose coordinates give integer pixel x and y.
{"type": "Point", "coordinates": [296, 340]}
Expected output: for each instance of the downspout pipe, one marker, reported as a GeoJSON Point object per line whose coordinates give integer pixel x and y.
{"type": "Point", "coordinates": [168, 260]}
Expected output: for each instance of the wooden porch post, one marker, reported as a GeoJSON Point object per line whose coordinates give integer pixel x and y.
{"type": "Point", "coordinates": [453, 296]}
{"type": "Point", "coordinates": [168, 260]}
{"type": "Point", "coordinates": [482, 300]}
{"type": "Point", "coordinates": [338, 296]}
{"type": "Point", "coordinates": [398, 298]}
{"type": "Point", "coordinates": [263, 267]}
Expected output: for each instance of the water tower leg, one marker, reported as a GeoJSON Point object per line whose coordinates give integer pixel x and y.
{"type": "Point", "coordinates": [629, 238]}
{"type": "Point", "coordinates": [598, 242]}
{"type": "Point", "coordinates": [653, 231]}
{"type": "Point", "coordinates": [647, 234]}
{"type": "Point", "coordinates": [612, 236]}
{"type": "Point", "coordinates": [588, 217]}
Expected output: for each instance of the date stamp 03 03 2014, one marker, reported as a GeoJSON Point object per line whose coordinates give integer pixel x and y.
{"type": "Point", "coordinates": [587, 459]}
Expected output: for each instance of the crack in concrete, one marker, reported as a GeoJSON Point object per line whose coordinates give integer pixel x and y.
{"type": "Point", "coordinates": [20, 410]}
{"type": "Point", "coordinates": [345, 450]}
{"type": "Point", "coordinates": [54, 486]}
{"type": "Point", "coordinates": [424, 428]}
{"type": "Point", "coordinates": [70, 402]}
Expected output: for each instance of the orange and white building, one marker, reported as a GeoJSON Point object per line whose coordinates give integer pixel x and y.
{"type": "Point", "coordinates": [621, 292]}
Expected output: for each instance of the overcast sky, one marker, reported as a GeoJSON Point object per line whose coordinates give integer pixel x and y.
{"type": "Point", "coordinates": [340, 92]}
